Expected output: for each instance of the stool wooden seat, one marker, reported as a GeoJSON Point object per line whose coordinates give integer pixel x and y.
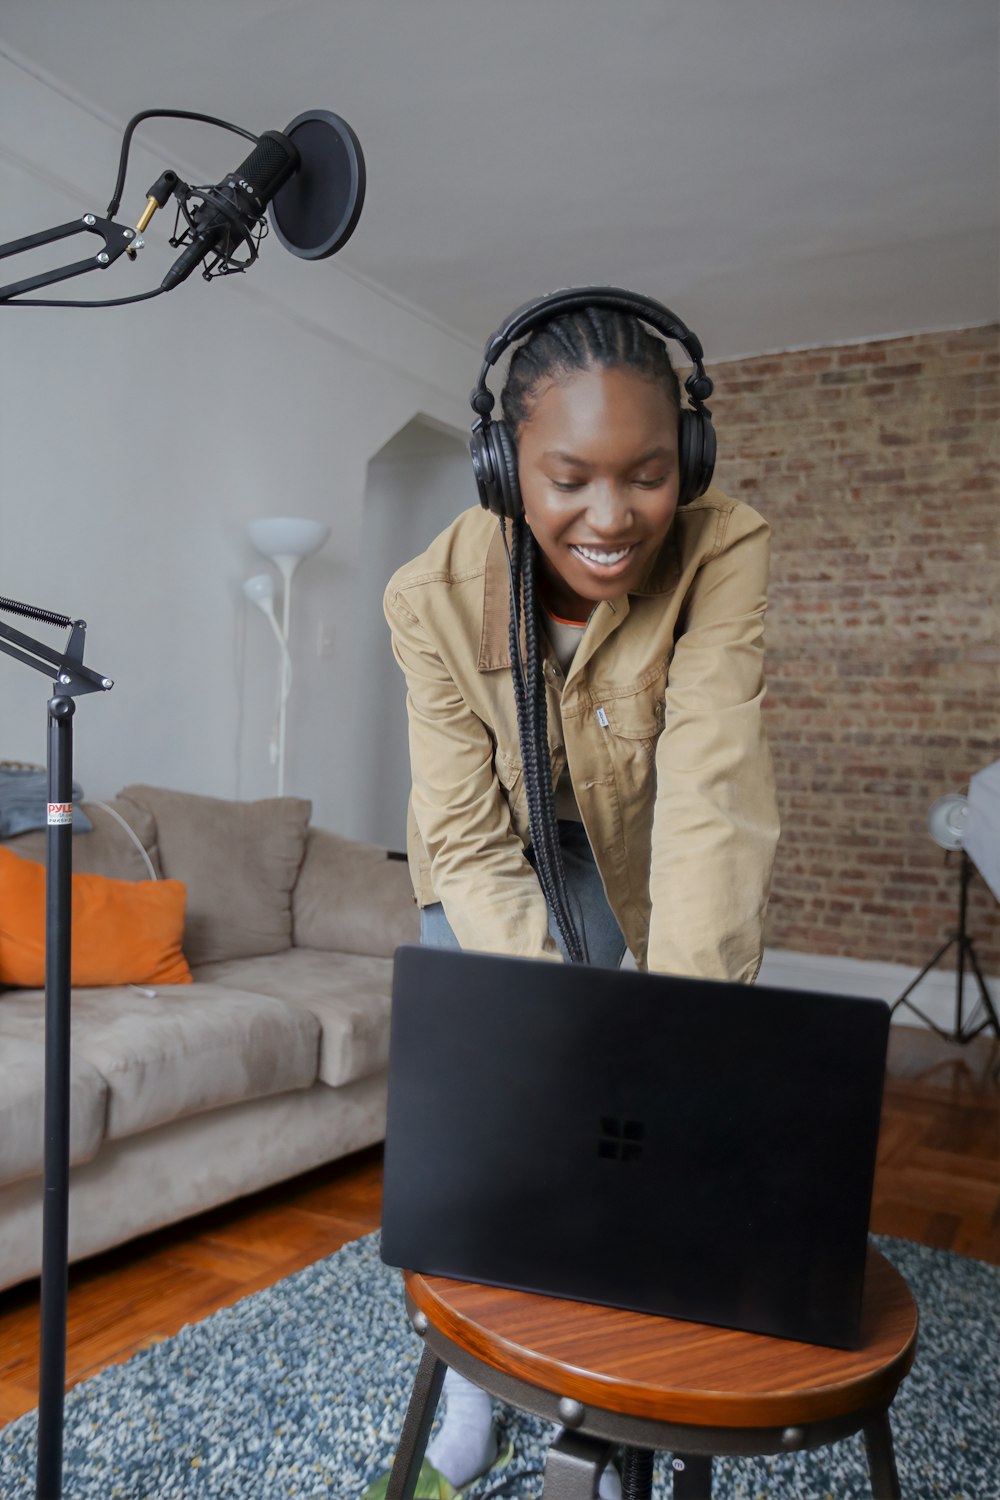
{"type": "Point", "coordinates": [615, 1378]}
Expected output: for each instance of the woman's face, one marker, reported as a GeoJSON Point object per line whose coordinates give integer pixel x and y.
{"type": "Point", "coordinates": [598, 467]}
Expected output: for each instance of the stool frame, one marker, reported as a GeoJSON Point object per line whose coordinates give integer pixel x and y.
{"type": "Point", "coordinates": [581, 1451]}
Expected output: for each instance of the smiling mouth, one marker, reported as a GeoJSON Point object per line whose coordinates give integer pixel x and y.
{"type": "Point", "coordinates": [603, 557]}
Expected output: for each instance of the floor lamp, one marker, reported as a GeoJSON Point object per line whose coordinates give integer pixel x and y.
{"type": "Point", "coordinates": [286, 540]}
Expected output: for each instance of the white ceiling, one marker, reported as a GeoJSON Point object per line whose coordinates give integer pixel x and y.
{"type": "Point", "coordinates": [780, 172]}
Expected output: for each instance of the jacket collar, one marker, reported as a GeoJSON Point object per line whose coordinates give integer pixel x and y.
{"type": "Point", "coordinates": [494, 645]}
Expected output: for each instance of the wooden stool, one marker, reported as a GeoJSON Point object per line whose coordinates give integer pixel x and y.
{"type": "Point", "coordinates": [612, 1378]}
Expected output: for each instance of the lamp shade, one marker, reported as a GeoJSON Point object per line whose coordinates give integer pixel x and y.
{"type": "Point", "coordinates": [287, 536]}
{"type": "Point", "coordinates": [260, 589]}
{"type": "Point", "coordinates": [946, 820]}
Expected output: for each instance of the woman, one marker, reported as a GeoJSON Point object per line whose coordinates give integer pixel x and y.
{"type": "Point", "coordinates": [589, 765]}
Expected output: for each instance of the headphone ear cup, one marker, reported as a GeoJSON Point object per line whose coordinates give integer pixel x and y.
{"type": "Point", "coordinates": [511, 505]}
{"type": "Point", "coordinates": [697, 454]}
{"type": "Point", "coordinates": [494, 462]}
{"type": "Point", "coordinates": [481, 453]}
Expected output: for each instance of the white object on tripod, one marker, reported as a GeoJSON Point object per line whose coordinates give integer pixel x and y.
{"type": "Point", "coordinates": [982, 837]}
{"type": "Point", "coordinates": [286, 540]}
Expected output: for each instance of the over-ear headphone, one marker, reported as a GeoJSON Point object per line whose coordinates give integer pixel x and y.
{"type": "Point", "coordinates": [494, 452]}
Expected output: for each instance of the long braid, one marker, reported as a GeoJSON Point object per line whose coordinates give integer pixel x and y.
{"type": "Point", "coordinates": [533, 738]}
{"type": "Point", "coordinates": [548, 852]}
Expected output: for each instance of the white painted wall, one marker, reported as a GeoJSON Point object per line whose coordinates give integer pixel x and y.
{"type": "Point", "coordinates": [136, 442]}
{"type": "Point", "coordinates": [417, 484]}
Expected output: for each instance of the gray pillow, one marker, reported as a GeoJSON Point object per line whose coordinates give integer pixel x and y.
{"type": "Point", "coordinates": [239, 861]}
{"type": "Point", "coordinates": [24, 800]}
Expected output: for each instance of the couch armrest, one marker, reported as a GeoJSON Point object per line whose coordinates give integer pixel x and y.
{"type": "Point", "coordinates": [350, 897]}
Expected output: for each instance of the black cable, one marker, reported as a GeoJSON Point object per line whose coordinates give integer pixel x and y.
{"type": "Point", "coordinates": [116, 302]}
{"type": "Point", "coordinates": [161, 114]}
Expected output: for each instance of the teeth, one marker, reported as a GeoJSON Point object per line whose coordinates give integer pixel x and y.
{"type": "Point", "coordinates": [608, 558]}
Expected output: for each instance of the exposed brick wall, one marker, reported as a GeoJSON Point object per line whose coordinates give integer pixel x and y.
{"type": "Point", "coordinates": [877, 467]}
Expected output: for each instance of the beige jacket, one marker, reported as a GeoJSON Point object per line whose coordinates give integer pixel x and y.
{"type": "Point", "coordinates": [659, 717]}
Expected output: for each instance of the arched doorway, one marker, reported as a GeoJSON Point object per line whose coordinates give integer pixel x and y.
{"type": "Point", "coordinates": [417, 483]}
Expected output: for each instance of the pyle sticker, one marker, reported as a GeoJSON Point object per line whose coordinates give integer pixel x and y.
{"type": "Point", "coordinates": [60, 812]}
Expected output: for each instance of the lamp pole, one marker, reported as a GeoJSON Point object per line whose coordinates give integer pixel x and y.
{"type": "Point", "coordinates": [285, 540]}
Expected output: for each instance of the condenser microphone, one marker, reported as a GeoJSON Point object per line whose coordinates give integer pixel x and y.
{"type": "Point", "coordinates": [312, 174]}
{"type": "Point", "coordinates": [230, 212]}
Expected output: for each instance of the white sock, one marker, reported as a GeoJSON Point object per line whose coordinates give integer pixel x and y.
{"type": "Point", "coordinates": [610, 1487]}
{"type": "Point", "coordinates": [466, 1443]}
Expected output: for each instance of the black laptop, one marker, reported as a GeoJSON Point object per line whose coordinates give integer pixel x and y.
{"type": "Point", "coordinates": [692, 1148]}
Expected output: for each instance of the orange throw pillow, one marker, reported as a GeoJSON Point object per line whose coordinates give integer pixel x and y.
{"type": "Point", "coordinates": [124, 931]}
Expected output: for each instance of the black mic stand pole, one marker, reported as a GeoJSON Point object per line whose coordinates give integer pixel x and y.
{"type": "Point", "coordinates": [72, 679]}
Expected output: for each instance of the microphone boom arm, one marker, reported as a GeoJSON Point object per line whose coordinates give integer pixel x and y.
{"type": "Point", "coordinates": [117, 239]}
{"type": "Point", "coordinates": [72, 678]}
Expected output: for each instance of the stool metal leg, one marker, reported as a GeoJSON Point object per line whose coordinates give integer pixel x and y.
{"type": "Point", "coordinates": [573, 1467]}
{"type": "Point", "coordinates": [882, 1459]}
{"type": "Point", "coordinates": [416, 1427]}
{"type": "Point", "coordinates": [692, 1476]}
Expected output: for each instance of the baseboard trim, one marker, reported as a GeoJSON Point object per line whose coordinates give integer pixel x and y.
{"type": "Point", "coordinates": [935, 994]}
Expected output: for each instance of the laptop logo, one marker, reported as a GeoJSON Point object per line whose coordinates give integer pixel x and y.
{"type": "Point", "coordinates": [620, 1140]}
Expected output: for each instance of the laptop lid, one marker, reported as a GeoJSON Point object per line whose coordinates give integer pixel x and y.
{"type": "Point", "coordinates": [686, 1147]}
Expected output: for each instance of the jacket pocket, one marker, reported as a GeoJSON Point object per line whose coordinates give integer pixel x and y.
{"type": "Point", "coordinates": [510, 775]}
{"type": "Point", "coordinates": [638, 718]}
{"type": "Point", "coordinates": [508, 770]}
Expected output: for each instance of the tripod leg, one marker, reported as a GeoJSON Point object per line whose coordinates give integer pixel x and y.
{"type": "Point", "coordinates": [924, 972]}
{"type": "Point", "coordinates": [984, 994]}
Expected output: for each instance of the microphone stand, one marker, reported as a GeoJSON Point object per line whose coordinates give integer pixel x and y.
{"type": "Point", "coordinates": [72, 679]}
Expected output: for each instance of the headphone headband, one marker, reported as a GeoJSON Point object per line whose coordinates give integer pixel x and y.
{"type": "Point", "coordinates": [524, 319]}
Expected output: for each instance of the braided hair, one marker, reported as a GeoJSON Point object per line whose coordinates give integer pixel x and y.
{"type": "Point", "coordinates": [591, 337]}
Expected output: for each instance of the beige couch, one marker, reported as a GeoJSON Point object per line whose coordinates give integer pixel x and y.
{"type": "Point", "coordinates": [270, 1063]}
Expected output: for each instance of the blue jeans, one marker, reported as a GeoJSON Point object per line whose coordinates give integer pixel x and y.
{"type": "Point", "coordinates": [592, 915]}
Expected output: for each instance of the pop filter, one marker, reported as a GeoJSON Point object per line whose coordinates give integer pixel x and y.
{"type": "Point", "coordinates": [317, 209]}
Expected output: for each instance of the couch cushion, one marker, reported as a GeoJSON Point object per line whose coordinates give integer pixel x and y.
{"type": "Point", "coordinates": [239, 861]}
{"type": "Point", "coordinates": [108, 849]}
{"type": "Point", "coordinates": [353, 898]}
{"type": "Point", "coordinates": [22, 1091]}
{"type": "Point", "coordinates": [124, 931]}
{"type": "Point", "coordinates": [187, 1048]}
{"type": "Point", "coordinates": [350, 996]}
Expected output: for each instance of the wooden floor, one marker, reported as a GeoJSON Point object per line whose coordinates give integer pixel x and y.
{"type": "Point", "coordinates": [938, 1182]}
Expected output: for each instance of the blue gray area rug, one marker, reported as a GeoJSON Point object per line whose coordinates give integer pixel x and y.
{"type": "Point", "coordinates": [299, 1391]}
